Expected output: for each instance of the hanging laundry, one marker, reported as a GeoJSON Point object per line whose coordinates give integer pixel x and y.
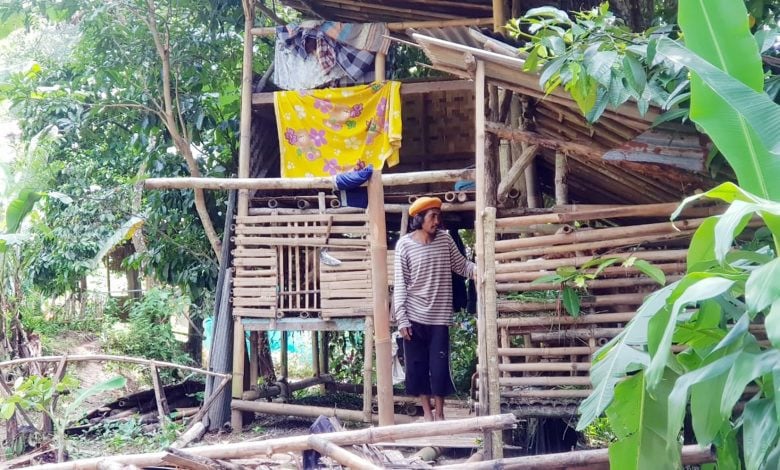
{"type": "Point", "coordinates": [294, 72]}
{"type": "Point", "coordinates": [373, 37]}
{"type": "Point", "coordinates": [334, 130]}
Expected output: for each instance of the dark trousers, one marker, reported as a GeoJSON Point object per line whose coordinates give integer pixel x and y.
{"type": "Point", "coordinates": [427, 361]}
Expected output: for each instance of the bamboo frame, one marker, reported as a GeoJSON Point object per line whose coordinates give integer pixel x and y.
{"type": "Point", "coordinates": [245, 139]}
{"type": "Point", "coordinates": [221, 184]}
{"type": "Point", "coordinates": [402, 26]}
{"type": "Point", "coordinates": [479, 133]}
{"type": "Point", "coordinates": [300, 443]}
{"type": "Point", "coordinates": [378, 235]}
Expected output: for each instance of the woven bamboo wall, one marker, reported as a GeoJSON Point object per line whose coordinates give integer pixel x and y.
{"type": "Point", "coordinates": [544, 353]}
{"type": "Point", "coordinates": [301, 265]}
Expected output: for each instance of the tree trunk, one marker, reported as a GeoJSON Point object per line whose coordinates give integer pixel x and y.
{"type": "Point", "coordinates": [638, 14]}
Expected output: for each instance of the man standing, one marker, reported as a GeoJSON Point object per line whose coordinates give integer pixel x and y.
{"type": "Point", "coordinates": [424, 261]}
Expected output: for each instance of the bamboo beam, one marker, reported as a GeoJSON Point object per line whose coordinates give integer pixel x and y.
{"type": "Point", "coordinates": [533, 138]}
{"type": "Point", "coordinates": [466, 206]}
{"type": "Point", "coordinates": [516, 171]}
{"type": "Point", "coordinates": [642, 210]}
{"type": "Point", "coordinates": [545, 367]}
{"type": "Point", "coordinates": [300, 443]}
{"type": "Point", "coordinates": [547, 321]}
{"type": "Point", "coordinates": [594, 284]}
{"type": "Point", "coordinates": [479, 146]}
{"type": "Point", "coordinates": [384, 358]}
{"type": "Point", "coordinates": [245, 139]}
{"type": "Point", "coordinates": [491, 329]}
{"type": "Point", "coordinates": [505, 269]}
{"type": "Point", "coordinates": [308, 411]}
{"type": "Point", "coordinates": [111, 358]}
{"type": "Point", "coordinates": [521, 352]}
{"type": "Point", "coordinates": [342, 456]}
{"type": "Point", "coordinates": [320, 182]}
{"type": "Point", "coordinates": [402, 26]}
{"type": "Point", "coordinates": [691, 455]}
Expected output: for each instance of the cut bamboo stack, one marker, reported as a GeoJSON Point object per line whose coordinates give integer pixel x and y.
{"type": "Point", "coordinates": [279, 271]}
{"type": "Point", "coordinates": [544, 352]}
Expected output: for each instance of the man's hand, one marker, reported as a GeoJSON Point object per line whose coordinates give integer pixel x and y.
{"type": "Point", "coordinates": [406, 333]}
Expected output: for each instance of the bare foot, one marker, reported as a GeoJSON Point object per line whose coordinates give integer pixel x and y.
{"type": "Point", "coordinates": [439, 417]}
{"type": "Point", "coordinates": [428, 417]}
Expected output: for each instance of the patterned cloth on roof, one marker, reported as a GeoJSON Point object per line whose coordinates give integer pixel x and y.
{"type": "Point", "coordinates": [330, 131]}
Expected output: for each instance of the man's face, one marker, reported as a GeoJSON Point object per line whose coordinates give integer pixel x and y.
{"type": "Point", "coordinates": [432, 221]}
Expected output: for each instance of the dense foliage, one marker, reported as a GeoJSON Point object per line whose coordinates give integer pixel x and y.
{"type": "Point", "coordinates": [731, 286]}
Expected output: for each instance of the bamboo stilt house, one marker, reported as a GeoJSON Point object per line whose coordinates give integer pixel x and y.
{"type": "Point", "coordinates": [551, 193]}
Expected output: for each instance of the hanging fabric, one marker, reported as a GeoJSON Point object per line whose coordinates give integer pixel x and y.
{"type": "Point", "coordinates": [334, 130]}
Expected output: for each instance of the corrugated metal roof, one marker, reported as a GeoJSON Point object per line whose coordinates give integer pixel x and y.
{"type": "Point", "coordinates": [626, 176]}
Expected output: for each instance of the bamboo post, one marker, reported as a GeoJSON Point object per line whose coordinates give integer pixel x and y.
{"type": "Point", "coordinates": [379, 67]}
{"type": "Point", "coordinates": [531, 186]}
{"type": "Point", "coordinates": [561, 188]}
{"type": "Point", "coordinates": [48, 426]}
{"type": "Point", "coordinates": [342, 456]}
{"type": "Point", "coordinates": [481, 196]}
{"type": "Point", "coordinates": [315, 353]}
{"type": "Point", "coordinates": [517, 170]}
{"type": "Point", "coordinates": [238, 371]}
{"type": "Point", "coordinates": [379, 286]}
{"type": "Point", "coordinates": [245, 142]}
{"type": "Point", "coordinates": [499, 16]}
{"type": "Point", "coordinates": [368, 356]}
{"type": "Point", "coordinates": [491, 327]}
{"type": "Point", "coordinates": [159, 395]}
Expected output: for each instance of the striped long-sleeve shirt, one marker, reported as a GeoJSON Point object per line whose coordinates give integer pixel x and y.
{"type": "Point", "coordinates": [423, 279]}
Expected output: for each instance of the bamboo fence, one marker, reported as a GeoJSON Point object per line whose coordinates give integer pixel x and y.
{"type": "Point", "coordinates": [544, 353]}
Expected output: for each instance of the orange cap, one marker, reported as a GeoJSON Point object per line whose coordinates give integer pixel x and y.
{"type": "Point", "coordinates": [423, 204]}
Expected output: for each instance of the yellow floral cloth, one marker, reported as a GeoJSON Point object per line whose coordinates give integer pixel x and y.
{"type": "Point", "coordinates": [330, 131]}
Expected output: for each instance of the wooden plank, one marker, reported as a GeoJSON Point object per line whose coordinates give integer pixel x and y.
{"type": "Point", "coordinates": [258, 273]}
{"type": "Point", "coordinates": [254, 262]}
{"type": "Point", "coordinates": [347, 293]}
{"type": "Point", "coordinates": [344, 303]}
{"type": "Point", "coordinates": [254, 281]}
{"type": "Point", "coordinates": [254, 312]}
{"type": "Point", "coordinates": [252, 292]}
{"type": "Point", "coordinates": [254, 252]}
{"type": "Point", "coordinates": [348, 266]}
{"type": "Point", "coordinates": [288, 230]}
{"type": "Point", "coordinates": [303, 324]}
{"type": "Point", "coordinates": [245, 240]}
{"type": "Point", "coordinates": [334, 276]}
{"type": "Point", "coordinates": [283, 219]}
{"type": "Point", "coordinates": [254, 301]}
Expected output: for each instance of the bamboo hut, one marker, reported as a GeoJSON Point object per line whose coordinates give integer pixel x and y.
{"type": "Point", "coordinates": [551, 192]}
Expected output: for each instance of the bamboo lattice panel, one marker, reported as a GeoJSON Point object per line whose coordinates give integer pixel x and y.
{"type": "Point", "coordinates": [544, 352]}
{"type": "Point", "coordinates": [283, 266]}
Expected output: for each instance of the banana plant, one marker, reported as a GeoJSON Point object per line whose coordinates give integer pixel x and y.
{"type": "Point", "coordinates": [642, 386]}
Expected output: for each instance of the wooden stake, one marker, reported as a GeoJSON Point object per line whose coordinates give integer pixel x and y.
{"type": "Point", "coordinates": [159, 395]}
{"type": "Point", "coordinates": [342, 456]}
{"type": "Point", "coordinates": [378, 236]}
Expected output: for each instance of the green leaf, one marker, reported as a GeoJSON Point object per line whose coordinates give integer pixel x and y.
{"type": "Point", "coordinates": [772, 325]}
{"type": "Point", "coordinates": [741, 120]}
{"type": "Point", "coordinates": [7, 410]}
{"type": "Point", "coordinates": [108, 385]}
{"type": "Point", "coordinates": [19, 208]}
{"type": "Point", "coordinates": [639, 421]}
{"type": "Point", "coordinates": [622, 354]}
{"type": "Point", "coordinates": [747, 368]}
{"type": "Point", "coordinates": [763, 286]}
{"type": "Point", "coordinates": [547, 279]}
{"type": "Point", "coordinates": [705, 413]}
{"type": "Point", "coordinates": [635, 73]}
{"type": "Point", "coordinates": [703, 289]}
{"type": "Point", "coordinates": [548, 12]}
{"type": "Point", "coordinates": [731, 224]}
{"type": "Point", "coordinates": [650, 271]}
{"type": "Point", "coordinates": [571, 301]}
{"type": "Point", "coordinates": [760, 430]}
{"type": "Point", "coordinates": [549, 71]}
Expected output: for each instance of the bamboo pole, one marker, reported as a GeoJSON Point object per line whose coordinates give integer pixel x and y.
{"type": "Point", "coordinates": [583, 236]}
{"type": "Point", "coordinates": [537, 265]}
{"type": "Point", "coordinates": [236, 420]}
{"type": "Point", "coordinates": [308, 411]}
{"type": "Point", "coordinates": [284, 355]}
{"type": "Point", "coordinates": [594, 284]}
{"type": "Point", "coordinates": [544, 381]}
{"type": "Point", "coordinates": [599, 301]}
{"type": "Point", "coordinates": [379, 67]}
{"type": "Point", "coordinates": [596, 245]}
{"type": "Point", "coordinates": [384, 358]}
{"type": "Point", "coordinates": [642, 210]}
{"type": "Point", "coordinates": [253, 357]}
{"type": "Point", "coordinates": [402, 26]}
{"type": "Point", "coordinates": [516, 171]}
{"type": "Point", "coordinates": [368, 356]}
{"type": "Point", "coordinates": [578, 334]}
{"type": "Point", "coordinates": [491, 329]}
{"type": "Point", "coordinates": [111, 358]}
{"type": "Point", "coordinates": [520, 352]}
{"type": "Point", "coordinates": [547, 321]}
{"type": "Point", "coordinates": [320, 182]}
{"type": "Point", "coordinates": [208, 403]}
{"type": "Point", "coordinates": [580, 393]}
{"type": "Point", "coordinates": [546, 367]}
{"type": "Point", "coordinates": [342, 456]}
{"type": "Point", "coordinates": [245, 139]}
{"type": "Point", "coordinates": [276, 388]}
{"type": "Point", "coordinates": [300, 443]}
{"type": "Point", "coordinates": [691, 455]}
{"type": "Point", "coordinates": [561, 188]}
{"type": "Point", "coordinates": [159, 395]}
{"type": "Point", "coordinates": [479, 132]}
